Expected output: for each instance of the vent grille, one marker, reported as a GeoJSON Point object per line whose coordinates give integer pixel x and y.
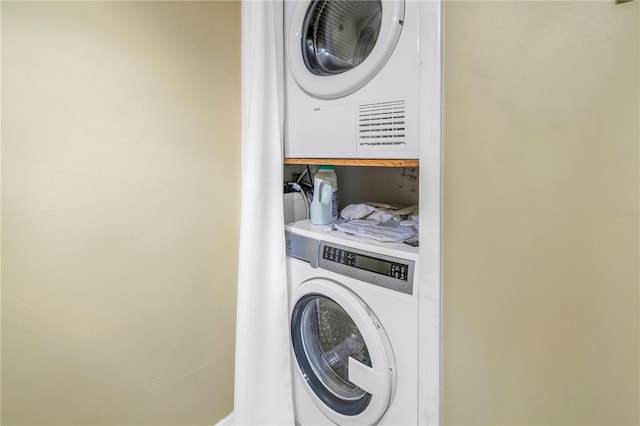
{"type": "Point", "coordinates": [382, 124]}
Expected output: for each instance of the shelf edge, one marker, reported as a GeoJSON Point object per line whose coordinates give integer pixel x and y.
{"type": "Point", "coordinates": [354, 162]}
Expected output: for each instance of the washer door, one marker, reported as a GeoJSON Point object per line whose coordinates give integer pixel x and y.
{"type": "Point", "coordinates": [343, 353]}
{"type": "Point", "coordinates": [337, 46]}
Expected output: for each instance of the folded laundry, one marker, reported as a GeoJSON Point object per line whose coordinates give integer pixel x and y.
{"type": "Point", "coordinates": [381, 222]}
{"type": "Point", "coordinates": [356, 211]}
{"type": "Point", "coordinates": [377, 211]}
{"type": "Point", "coordinates": [389, 231]}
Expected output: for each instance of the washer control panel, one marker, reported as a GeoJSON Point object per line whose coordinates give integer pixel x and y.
{"type": "Point", "coordinates": [378, 269]}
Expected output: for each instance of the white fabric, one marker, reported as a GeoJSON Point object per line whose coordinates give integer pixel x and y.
{"type": "Point", "coordinates": [377, 211]}
{"type": "Point", "coordinates": [262, 372]}
{"type": "Point", "coordinates": [356, 211]}
{"type": "Point", "coordinates": [380, 222]}
{"type": "Point", "coordinates": [389, 231]}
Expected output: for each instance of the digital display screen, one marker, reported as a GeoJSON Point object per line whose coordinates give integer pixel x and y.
{"type": "Point", "coordinates": [373, 265]}
{"type": "Point", "coordinates": [376, 265]}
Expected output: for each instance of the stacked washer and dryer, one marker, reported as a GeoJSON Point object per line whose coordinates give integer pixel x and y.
{"type": "Point", "coordinates": [352, 91]}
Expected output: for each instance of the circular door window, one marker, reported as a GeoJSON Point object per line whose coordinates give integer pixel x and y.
{"type": "Point", "coordinates": [323, 340]}
{"type": "Point", "coordinates": [339, 35]}
{"type": "Point", "coordinates": [343, 357]}
{"type": "Point", "coordinates": [337, 46]}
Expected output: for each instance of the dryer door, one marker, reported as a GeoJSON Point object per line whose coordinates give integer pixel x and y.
{"type": "Point", "coordinates": [337, 46]}
{"type": "Point", "coordinates": [342, 352]}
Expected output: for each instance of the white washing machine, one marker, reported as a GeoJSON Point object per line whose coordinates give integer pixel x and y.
{"type": "Point", "coordinates": [352, 78]}
{"type": "Point", "coordinates": [354, 328]}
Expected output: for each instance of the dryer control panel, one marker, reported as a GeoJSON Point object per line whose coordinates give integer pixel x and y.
{"type": "Point", "coordinates": [378, 269]}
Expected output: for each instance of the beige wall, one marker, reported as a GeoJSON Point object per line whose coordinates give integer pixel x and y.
{"type": "Point", "coordinates": [120, 203]}
{"type": "Point", "coordinates": [541, 213]}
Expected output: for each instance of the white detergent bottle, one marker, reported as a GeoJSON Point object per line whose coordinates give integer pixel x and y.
{"type": "Point", "coordinates": [324, 207]}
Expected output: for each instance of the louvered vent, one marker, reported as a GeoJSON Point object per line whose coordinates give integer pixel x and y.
{"type": "Point", "coordinates": [382, 124]}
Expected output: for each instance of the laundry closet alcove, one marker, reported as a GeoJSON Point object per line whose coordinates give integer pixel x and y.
{"type": "Point", "coordinates": [266, 136]}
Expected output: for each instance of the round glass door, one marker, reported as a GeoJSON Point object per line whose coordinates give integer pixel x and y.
{"type": "Point", "coordinates": [324, 336]}
{"type": "Point", "coordinates": [335, 47]}
{"type": "Point", "coordinates": [338, 35]}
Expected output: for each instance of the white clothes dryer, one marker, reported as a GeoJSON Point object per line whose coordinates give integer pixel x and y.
{"type": "Point", "coordinates": [353, 328]}
{"type": "Point", "coordinates": [352, 78]}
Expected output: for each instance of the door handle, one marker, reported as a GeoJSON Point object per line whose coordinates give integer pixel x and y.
{"type": "Point", "coordinates": [367, 378]}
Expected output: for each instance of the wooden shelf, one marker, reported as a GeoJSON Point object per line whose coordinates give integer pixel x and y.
{"type": "Point", "coordinates": [353, 162]}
